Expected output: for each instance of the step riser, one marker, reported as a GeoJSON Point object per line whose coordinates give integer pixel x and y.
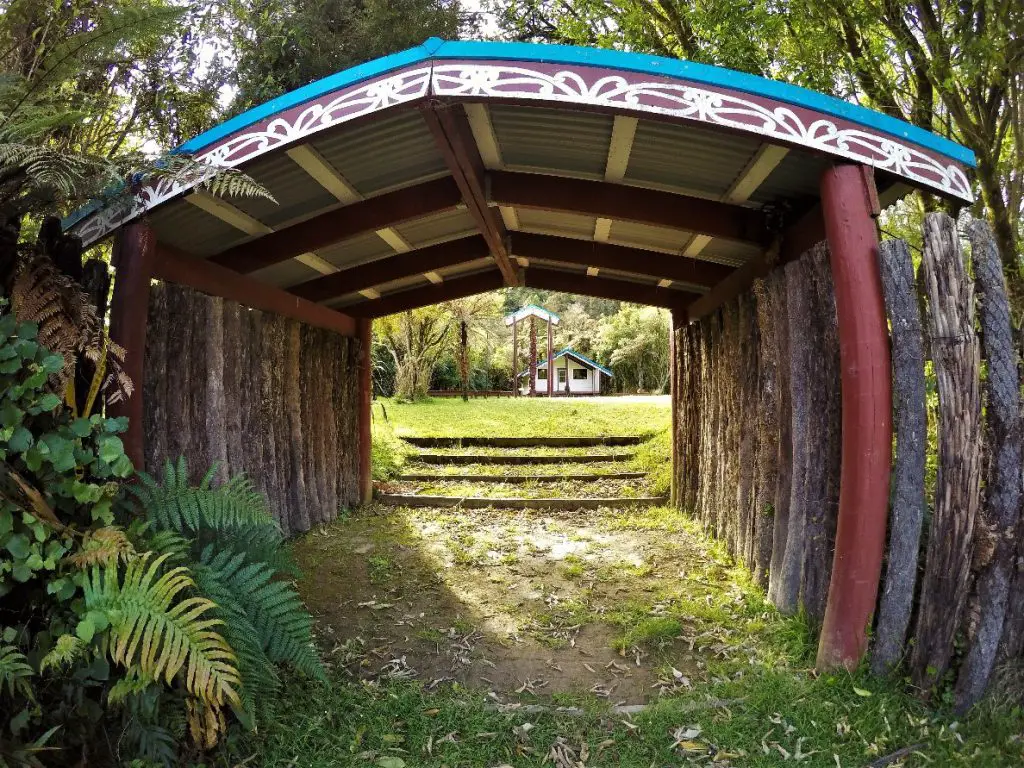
{"type": "Point", "coordinates": [475, 502]}
{"type": "Point", "coordinates": [440, 458]}
{"type": "Point", "coordinates": [498, 479]}
{"type": "Point", "coordinates": [523, 442]}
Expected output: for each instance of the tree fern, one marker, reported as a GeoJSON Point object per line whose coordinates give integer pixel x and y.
{"type": "Point", "coordinates": [15, 672]}
{"type": "Point", "coordinates": [159, 634]}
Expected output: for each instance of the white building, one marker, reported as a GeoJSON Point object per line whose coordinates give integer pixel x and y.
{"type": "Point", "coordinates": [582, 374]}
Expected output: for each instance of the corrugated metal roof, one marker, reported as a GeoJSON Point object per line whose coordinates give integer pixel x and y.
{"type": "Point", "coordinates": [551, 222]}
{"type": "Point", "coordinates": [564, 140]}
{"type": "Point", "coordinates": [285, 274]}
{"type": "Point", "coordinates": [192, 230]}
{"type": "Point", "coordinates": [647, 236]}
{"type": "Point", "coordinates": [390, 151]}
{"type": "Point", "coordinates": [296, 194]}
{"type": "Point", "coordinates": [435, 229]}
{"type": "Point", "coordinates": [356, 250]}
{"type": "Point", "coordinates": [728, 252]}
{"type": "Point", "coordinates": [795, 179]}
{"type": "Point", "coordinates": [687, 159]}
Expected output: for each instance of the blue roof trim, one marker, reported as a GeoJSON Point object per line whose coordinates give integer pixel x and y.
{"type": "Point", "coordinates": [710, 75]}
{"type": "Point", "coordinates": [301, 95]}
{"type": "Point", "coordinates": [437, 49]}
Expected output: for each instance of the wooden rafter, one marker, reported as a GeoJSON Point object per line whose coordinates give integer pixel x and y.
{"type": "Point", "coordinates": [607, 288]}
{"type": "Point", "coordinates": [620, 146]}
{"type": "Point", "coordinates": [619, 257]}
{"type": "Point", "coordinates": [339, 224]}
{"type": "Point", "coordinates": [422, 296]}
{"type": "Point", "coordinates": [454, 137]}
{"type": "Point", "coordinates": [390, 268]}
{"type": "Point", "coordinates": [173, 266]}
{"type": "Point", "coordinates": [621, 202]}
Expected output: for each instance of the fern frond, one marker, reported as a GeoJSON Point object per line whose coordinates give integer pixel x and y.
{"type": "Point", "coordinates": [205, 723]}
{"type": "Point", "coordinates": [15, 672]}
{"type": "Point", "coordinates": [131, 684]}
{"type": "Point", "coordinates": [272, 607]}
{"type": "Point", "coordinates": [67, 649]}
{"type": "Point", "coordinates": [156, 632]}
{"type": "Point", "coordinates": [104, 546]}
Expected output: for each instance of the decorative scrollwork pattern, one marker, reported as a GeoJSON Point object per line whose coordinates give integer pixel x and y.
{"type": "Point", "coordinates": [702, 104]}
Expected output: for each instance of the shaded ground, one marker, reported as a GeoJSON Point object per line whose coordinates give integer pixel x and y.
{"type": "Point", "coordinates": [601, 603]}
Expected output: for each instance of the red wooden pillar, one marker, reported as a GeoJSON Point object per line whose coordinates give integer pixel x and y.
{"type": "Point", "coordinates": [134, 250]}
{"type": "Point", "coordinates": [848, 203]}
{"type": "Point", "coordinates": [551, 359]}
{"type": "Point", "coordinates": [364, 331]}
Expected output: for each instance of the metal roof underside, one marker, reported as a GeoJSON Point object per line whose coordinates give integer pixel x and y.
{"type": "Point", "coordinates": [394, 150]}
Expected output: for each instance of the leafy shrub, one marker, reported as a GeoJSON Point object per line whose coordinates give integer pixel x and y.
{"type": "Point", "coordinates": [145, 616]}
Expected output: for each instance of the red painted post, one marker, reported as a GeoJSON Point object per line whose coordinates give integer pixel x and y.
{"type": "Point", "coordinates": [846, 199]}
{"type": "Point", "coordinates": [551, 359]}
{"type": "Point", "coordinates": [134, 249]}
{"type": "Point", "coordinates": [364, 330]}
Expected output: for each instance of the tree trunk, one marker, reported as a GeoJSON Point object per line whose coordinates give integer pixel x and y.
{"type": "Point", "coordinates": [766, 470]}
{"type": "Point", "coordinates": [955, 356]}
{"type": "Point", "coordinates": [907, 487]}
{"type": "Point", "coordinates": [1006, 241]}
{"type": "Point", "coordinates": [777, 283]}
{"type": "Point", "coordinates": [996, 526]}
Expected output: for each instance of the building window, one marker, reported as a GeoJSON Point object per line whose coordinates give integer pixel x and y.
{"type": "Point", "coordinates": [580, 374]}
{"type": "Point", "coordinates": [561, 375]}
{"type": "Point", "coordinates": [542, 374]}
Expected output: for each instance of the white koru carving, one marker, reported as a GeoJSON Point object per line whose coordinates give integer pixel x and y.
{"type": "Point", "coordinates": [706, 105]}
{"type": "Point", "coordinates": [400, 88]}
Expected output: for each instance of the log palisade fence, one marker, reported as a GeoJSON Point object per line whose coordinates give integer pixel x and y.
{"type": "Point", "coordinates": [258, 394]}
{"type": "Point", "coordinates": [758, 416]}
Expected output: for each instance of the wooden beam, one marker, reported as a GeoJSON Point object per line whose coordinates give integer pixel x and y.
{"type": "Point", "coordinates": [796, 240]}
{"type": "Point", "coordinates": [625, 203]}
{"type": "Point", "coordinates": [454, 137]}
{"type": "Point", "coordinates": [342, 223]}
{"type": "Point", "coordinates": [607, 288]}
{"type": "Point", "coordinates": [483, 134]}
{"type": "Point", "coordinates": [422, 296]}
{"type": "Point", "coordinates": [173, 266]}
{"type": "Point", "coordinates": [390, 268]}
{"type": "Point", "coordinates": [764, 161]}
{"type": "Point", "coordinates": [134, 256]}
{"type": "Point", "coordinates": [619, 257]}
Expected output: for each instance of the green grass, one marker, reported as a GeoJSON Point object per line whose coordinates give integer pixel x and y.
{"type": "Point", "coordinates": [529, 417]}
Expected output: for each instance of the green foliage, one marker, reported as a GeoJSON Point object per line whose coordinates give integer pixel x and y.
{"type": "Point", "coordinates": [15, 672]}
{"type": "Point", "coordinates": [231, 545]}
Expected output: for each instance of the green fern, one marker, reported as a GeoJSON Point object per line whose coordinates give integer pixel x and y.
{"type": "Point", "coordinates": [65, 650]}
{"type": "Point", "coordinates": [15, 672]}
{"type": "Point", "coordinates": [159, 634]}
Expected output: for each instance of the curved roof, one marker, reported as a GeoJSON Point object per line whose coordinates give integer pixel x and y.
{"type": "Point", "coordinates": [456, 167]}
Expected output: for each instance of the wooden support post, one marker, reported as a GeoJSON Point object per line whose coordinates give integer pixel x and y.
{"type": "Point", "coordinates": [677, 319]}
{"type": "Point", "coordinates": [551, 358]}
{"type": "Point", "coordinates": [134, 249]}
{"type": "Point", "coordinates": [533, 356]}
{"type": "Point", "coordinates": [365, 332]}
{"type": "Point", "coordinates": [846, 197]}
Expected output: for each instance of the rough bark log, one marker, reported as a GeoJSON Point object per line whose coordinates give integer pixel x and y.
{"type": "Point", "coordinates": [824, 431]}
{"type": "Point", "coordinates": [155, 382]}
{"type": "Point", "coordinates": [955, 355]}
{"type": "Point", "coordinates": [907, 486]}
{"type": "Point", "coordinates": [778, 285]}
{"type": "Point", "coordinates": [787, 598]}
{"type": "Point", "coordinates": [767, 453]}
{"type": "Point", "coordinates": [997, 523]}
{"type": "Point", "coordinates": [748, 436]}
{"type": "Point", "coordinates": [216, 403]}
{"type": "Point", "coordinates": [96, 286]}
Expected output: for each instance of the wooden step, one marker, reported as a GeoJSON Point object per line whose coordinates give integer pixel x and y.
{"type": "Point", "coordinates": [479, 502]}
{"type": "Point", "coordinates": [469, 458]}
{"type": "Point", "coordinates": [583, 477]}
{"type": "Point", "coordinates": [524, 442]}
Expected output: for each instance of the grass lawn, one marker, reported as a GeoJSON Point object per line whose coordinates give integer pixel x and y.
{"type": "Point", "coordinates": [527, 416]}
{"type": "Point", "coordinates": [493, 639]}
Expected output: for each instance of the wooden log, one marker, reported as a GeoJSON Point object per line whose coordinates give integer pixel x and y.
{"type": "Point", "coordinates": [787, 596]}
{"type": "Point", "coordinates": [197, 451]}
{"type": "Point", "coordinates": [179, 425]}
{"type": "Point", "coordinates": [746, 407]}
{"type": "Point", "coordinates": [824, 434]}
{"type": "Point", "coordinates": [907, 487]}
{"type": "Point", "coordinates": [955, 355]}
{"type": "Point", "coordinates": [154, 395]}
{"type": "Point", "coordinates": [298, 496]}
{"type": "Point", "coordinates": [96, 287]}
{"type": "Point", "coordinates": [216, 400]}
{"type": "Point", "coordinates": [994, 545]}
{"type": "Point", "coordinates": [236, 387]}
{"type": "Point", "coordinates": [766, 459]}
{"type": "Point", "coordinates": [777, 285]}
